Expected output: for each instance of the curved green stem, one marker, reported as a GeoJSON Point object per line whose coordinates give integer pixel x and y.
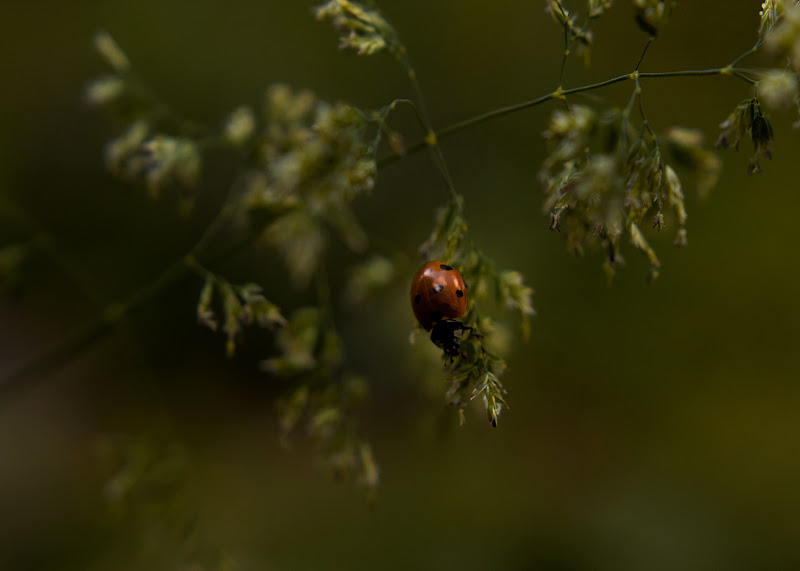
{"type": "Point", "coordinates": [86, 336]}
{"type": "Point", "coordinates": [644, 51]}
{"type": "Point", "coordinates": [566, 46]}
{"type": "Point", "coordinates": [752, 50]}
{"type": "Point", "coordinates": [43, 241]}
{"type": "Point", "coordinates": [560, 94]}
{"type": "Point", "coordinates": [83, 338]}
{"type": "Point", "coordinates": [431, 140]}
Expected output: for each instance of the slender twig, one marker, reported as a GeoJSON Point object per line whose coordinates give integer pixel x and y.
{"type": "Point", "coordinates": [83, 338]}
{"type": "Point", "coordinates": [738, 72]}
{"type": "Point", "coordinates": [638, 93]}
{"type": "Point", "coordinates": [559, 94]}
{"type": "Point", "coordinates": [86, 336]}
{"type": "Point", "coordinates": [566, 45]}
{"type": "Point", "coordinates": [752, 50]}
{"type": "Point", "coordinates": [43, 241]}
{"type": "Point", "coordinates": [645, 122]}
{"type": "Point", "coordinates": [431, 140]}
{"type": "Point", "coordinates": [52, 359]}
{"type": "Point", "coordinates": [644, 51]}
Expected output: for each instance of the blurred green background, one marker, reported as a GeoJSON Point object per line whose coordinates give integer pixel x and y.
{"type": "Point", "coordinates": [650, 427]}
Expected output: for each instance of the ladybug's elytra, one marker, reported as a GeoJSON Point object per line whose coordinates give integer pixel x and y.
{"type": "Point", "coordinates": [438, 297]}
{"type": "Point", "coordinates": [437, 293]}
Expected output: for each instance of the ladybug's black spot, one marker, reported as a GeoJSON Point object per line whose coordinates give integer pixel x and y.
{"type": "Point", "coordinates": [417, 298]}
{"type": "Point", "coordinates": [445, 267]}
{"type": "Point", "coordinates": [459, 293]}
{"type": "Point", "coordinates": [436, 315]}
{"type": "Point", "coordinates": [437, 288]}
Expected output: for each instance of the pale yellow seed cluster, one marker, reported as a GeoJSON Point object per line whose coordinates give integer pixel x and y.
{"type": "Point", "coordinates": [597, 7]}
{"type": "Point", "coordinates": [362, 30]}
{"type": "Point", "coordinates": [240, 126]}
{"type": "Point", "coordinates": [778, 90]}
{"type": "Point", "coordinates": [104, 90]}
{"type": "Point", "coordinates": [110, 51]}
{"type": "Point", "coordinates": [782, 36]}
{"type": "Point", "coordinates": [770, 12]}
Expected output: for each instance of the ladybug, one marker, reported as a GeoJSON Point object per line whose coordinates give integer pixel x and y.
{"type": "Point", "coordinates": [438, 297]}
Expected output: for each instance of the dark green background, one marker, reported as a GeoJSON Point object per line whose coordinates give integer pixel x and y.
{"type": "Point", "coordinates": [650, 427]}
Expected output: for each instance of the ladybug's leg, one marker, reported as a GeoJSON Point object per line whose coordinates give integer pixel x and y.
{"type": "Point", "coordinates": [471, 330]}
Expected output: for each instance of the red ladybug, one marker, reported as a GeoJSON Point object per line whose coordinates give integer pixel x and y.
{"type": "Point", "coordinates": [438, 297]}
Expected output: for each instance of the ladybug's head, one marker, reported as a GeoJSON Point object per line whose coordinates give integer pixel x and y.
{"type": "Point", "coordinates": [447, 334]}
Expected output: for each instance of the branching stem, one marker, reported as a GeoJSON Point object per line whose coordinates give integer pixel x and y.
{"type": "Point", "coordinates": [431, 139]}
{"type": "Point", "coordinates": [566, 46]}
{"type": "Point", "coordinates": [65, 350]}
{"type": "Point", "coordinates": [743, 74]}
{"type": "Point", "coordinates": [644, 51]}
{"type": "Point", "coordinates": [752, 50]}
